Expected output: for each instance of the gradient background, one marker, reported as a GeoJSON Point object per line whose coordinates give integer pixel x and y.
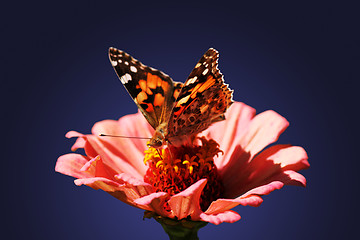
{"type": "Point", "coordinates": [298, 59]}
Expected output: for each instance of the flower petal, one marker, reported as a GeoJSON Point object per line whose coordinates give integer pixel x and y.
{"type": "Point", "coordinates": [98, 183]}
{"type": "Point", "coordinates": [115, 158]}
{"type": "Point", "coordinates": [155, 202]}
{"type": "Point", "coordinates": [97, 168]}
{"type": "Point", "coordinates": [289, 157]}
{"type": "Point", "coordinates": [281, 157]}
{"type": "Point", "coordinates": [122, 154]}
{"type": "Point", "coordinates": [277, 181]}
{"type": "Point", "coordinates": [70, 164]}
{"type": "Point", "coordinates": [131, 189]}
{"type": "Point", "coordinates": [221, 205]}
{"type": "Point", "coordinates": [266, 188]}
{"type": "Point", "coordinates": [252, 197]}
{"type": "Point", "coordinates": [264, 129]}
{"type": "Point", "coordinates": [227, 216]}
{"type": "Point", "coordinates": [80, 141]}
{"type": "Point", "coordinates": [290, 177]}
{"type": "Point", "coordinates": [136, 126]}
{"type": "Point", "coordinates": [237, 120]}
{"type": "Point", "coordinates": [186, 203]}
{"type": "Point", "coordinates": [134, 187]}
{"type": "Point", "coordinates": [270, 162]}
{"type": "Point", "coordinates": [72, 134]}
{"type": "Point", "coordinates": [126, 189]}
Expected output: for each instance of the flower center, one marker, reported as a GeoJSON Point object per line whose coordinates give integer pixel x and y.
{"type": "Point", "coordinates": [174, 169]}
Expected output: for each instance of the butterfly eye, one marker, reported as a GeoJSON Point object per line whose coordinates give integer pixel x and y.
{"type": "Point", "coordinates": [158, 142]}
{"type": "Point", "coordinates": [155, 142]}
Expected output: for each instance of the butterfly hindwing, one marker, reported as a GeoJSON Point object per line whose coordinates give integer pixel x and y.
{"type": "Point", "coordinates": [153, 91]}
{"type": "Point", "coordinates": [203, 99]}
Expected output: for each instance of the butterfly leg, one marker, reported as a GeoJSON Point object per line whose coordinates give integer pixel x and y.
{"type": "Point", "coordinates": [168, 144]}
{"type": "Point", "coordinates": [159, 153]}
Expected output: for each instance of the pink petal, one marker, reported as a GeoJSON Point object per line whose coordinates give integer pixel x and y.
{"type": "Point", "coordinates": [123, 154]}
{"type": "Point", "coordinates": [268, 163]}
{"type": "Point", "coordinates": [290, 177]}
{"type": "Point", "coordinates": [98, 183]}
{"type": "Point", "coordinates": [72, 134]}
{"type": "Point", "coordinates": [132, 125]}
{"type": "Point", "coordinates": [70, 164]}
{"type": "Point", "coordinates": [227, 216]}
{"type": "Point", "coordinates": [89, 149]}
{"type": "Point", "coordinates": [120, 154]}
{"type": "Point", "coordinates": [186, 203]}
{"type": "Point", "coordinates": [277, 181]}
{"type": "Point", "coordinates": [131, 189]}
{"type": "Point", "coordinates": [138, 127]}
{"type": "Point", "coordinates": [134, 188]}
{"type": "Point", "coordinates": [264, 129]}
{"type": "Point", "coordinates": [222, 205]}
{"type": "Point", "coordinates": [80, 141]}
{"type": "Point", "coordinates": [287, 156]}
{"type": "Point", "coordinates": [252, 197]}
{"type": "Point", "coordinates": [97, 168]}
{"type": "Point", "coordinates": [155, 202]}
{"type": "Point", "coordinates": [266, 188]}
{"type": "Point", "coordinates": [149, 199]}
{"type": "Point", "coordinates": [237, 120]}
{"type": "Point", "coordinates": [113, 157]}
{"type": "Point", "coordinates": [124, 188]}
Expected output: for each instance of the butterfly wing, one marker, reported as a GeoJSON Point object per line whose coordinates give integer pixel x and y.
{"type": "Point", "coordinates": [153, 91]}
{"type": "Point", "coordinates": [203, 99]}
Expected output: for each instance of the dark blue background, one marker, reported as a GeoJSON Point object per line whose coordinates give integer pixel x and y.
{"type": "Point", "coordinates": [299, 59]}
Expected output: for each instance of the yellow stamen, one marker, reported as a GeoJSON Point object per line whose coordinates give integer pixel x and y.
{"type": "Point", "coordinates": [159, 163]}
{"type": "Point", "coordinates": [173, 169]}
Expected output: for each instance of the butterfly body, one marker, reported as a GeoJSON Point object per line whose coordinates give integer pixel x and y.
{"type": "Point", "coordinates": [176, 111]}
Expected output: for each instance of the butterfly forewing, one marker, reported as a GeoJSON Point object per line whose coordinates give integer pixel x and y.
{"type": "Point", "coordinates": [153, 91]}
{"type": "Point", "coordinates": [203, 99]}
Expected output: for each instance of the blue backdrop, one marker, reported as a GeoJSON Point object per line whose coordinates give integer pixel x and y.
{"type": "Point", "coordinates": [298, 59]}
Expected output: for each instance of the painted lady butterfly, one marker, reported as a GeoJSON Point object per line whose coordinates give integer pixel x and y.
{"type": "Point", "coordinates": [175, 110]}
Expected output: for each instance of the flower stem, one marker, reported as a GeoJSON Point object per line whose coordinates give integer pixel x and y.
{"type": "Point", "coordinates": [180, 229]}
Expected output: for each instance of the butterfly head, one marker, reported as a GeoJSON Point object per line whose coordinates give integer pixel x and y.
{"type": "Point", "coordinates": [159, 137]}
{"type": "Point", "coordinates": [156, 142]}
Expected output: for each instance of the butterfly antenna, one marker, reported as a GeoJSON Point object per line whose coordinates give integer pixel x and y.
{"type": "Point", "coordinates": [120, 136]}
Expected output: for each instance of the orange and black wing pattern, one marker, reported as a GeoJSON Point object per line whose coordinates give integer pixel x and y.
{"type": "Point", "coordinates": [153, 91]}
{"type": "Point", "coordinates": [203, 99]}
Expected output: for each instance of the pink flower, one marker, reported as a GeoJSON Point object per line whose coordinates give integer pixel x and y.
{"type": "Point", "coordinates": [116, 165]}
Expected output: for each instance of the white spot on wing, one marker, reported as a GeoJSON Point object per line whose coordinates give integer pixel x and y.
{"type": "Point", "coordinates": [114, 63]}
{"type": "Point", "coordinates": [125, 78]}
{"type": "Point", "coordinates": [191, 80]}
{"type": "Point", "coordinates": [205, 72]}
{"type": "Point", "coordinates": [126, 63]}
{"type": "Point", "coordinates": [184, 100]}
{"type": "Point", "coordinates": [198, 65]}
{"type": "Point", "coordinates": [133, 69]}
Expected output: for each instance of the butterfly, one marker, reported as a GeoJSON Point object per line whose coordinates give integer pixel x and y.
{"type": "Point", "coordinates": [177, 111]}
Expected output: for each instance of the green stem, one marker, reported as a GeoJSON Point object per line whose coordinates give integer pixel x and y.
{"type": "Point", "coordinates": [180, 229]}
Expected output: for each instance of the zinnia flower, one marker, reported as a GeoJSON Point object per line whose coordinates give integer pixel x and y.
{"type": "Point", "coordinates": [225, 167]}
